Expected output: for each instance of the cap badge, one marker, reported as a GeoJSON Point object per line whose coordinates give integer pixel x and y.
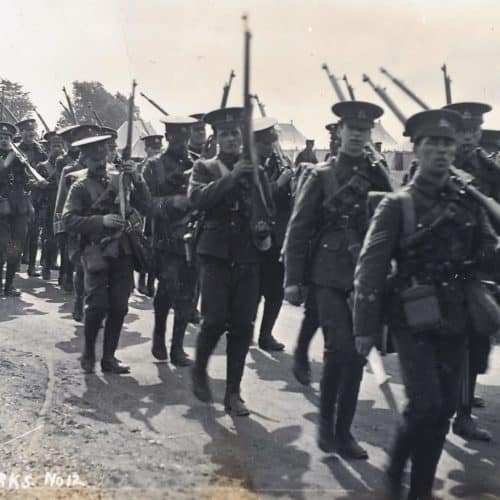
{"type": "Point", "coordinates": [444, 123]}
{"type": "Point", "coordinates": [362, 114]}
{"type": "Point", "coordinates": [467, 115]}
{"type": "Point", "coordinates": [229, 117]}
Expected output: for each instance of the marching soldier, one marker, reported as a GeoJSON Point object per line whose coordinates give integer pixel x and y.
{"type": "Point", "coordinates": [307, 155]}
{"type": "Point", "coordinates": [167, 178]}
{"type": "Point", "coordinates": [490, 142]}
{"type": "Point", "coordinates": [35, 154]}
{"type": "Point", "coordinates": [327, 228]}
{"type": "Point", "coordinates": [91, 211]}
{"type": "Point", "coordinates": [437, 234]}
{"type": "Point", "coordinates": [15, 206]}
{"type": "Point", "coordinates": [47, 200]}
{"type": "Point", "coordinates": [473, 159]}
{"type": "Point", "coordinates": [65, 165]}
{"type": "Point", "coordinates": [221, 187]}
{"type": "Point", "coordinates": [197, 137]}
{"type": "Point", "coordinates": [153, 146]}
{"type": "Point", "coordinates": [279, 176]}
{"type": "Point", "coordinates": [310, 322]}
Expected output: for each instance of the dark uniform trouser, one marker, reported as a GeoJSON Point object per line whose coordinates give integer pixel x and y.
{"type": "Point", "coordinates": [430, 367]}
{"type": "Point", "coordinates": [479, 347]}
{"type": "Point", "coordinates": [49, 243]}
{"type": "Point", "coordinates": [66, 271]}
{"type": "Point", "coordinates": [271, 288]}
{"type": "Point", "coordinates": [308, 327]}
{"type": "Point", "coordinates": [34, 229]}
{"type": "Point", "coordinates": [229, 297]}
{"type": "Point", "coordinates": [106, 295]}
{"type": "Point", "coordinates": [343, 366]}
{"type": "Point", "coordinates": [176, 289]}
{"type": "Point", "coordinates": [13, 231]}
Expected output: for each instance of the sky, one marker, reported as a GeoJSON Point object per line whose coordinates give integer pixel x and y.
{"type": "Point", "coordinates": [181, 52]}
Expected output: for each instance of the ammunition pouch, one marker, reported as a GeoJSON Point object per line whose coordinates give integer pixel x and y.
{"type": "Point", "coordinates": [483, 309]}
{"type": "Point", "coordinates": [421, 308]}
{"type": "Point", "coordinates": [93, 259]}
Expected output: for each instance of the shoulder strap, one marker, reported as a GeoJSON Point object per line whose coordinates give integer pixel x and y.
{"type": "Point", "coordinates": [408, 212]}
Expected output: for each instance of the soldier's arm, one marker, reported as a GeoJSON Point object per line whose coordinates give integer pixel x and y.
{"type": "Point", "coordinates": [301, 229]}
{"type": "Point", "coordinates": [141, 198]}
{"type": "Point", "coordinates": [204, 191]}
{"type": "Point", "coordinates": [488, 244]}
{"type": "Point", "coordinates": [74, 218]}
{"type": "Point", "coordinates": [373, 267]}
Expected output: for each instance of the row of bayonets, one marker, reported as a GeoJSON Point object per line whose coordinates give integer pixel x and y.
{"type": "Point", "coordinates": [382, 93]}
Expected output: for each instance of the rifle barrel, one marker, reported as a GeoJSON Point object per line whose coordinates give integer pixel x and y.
{"type": "Point", "coordinates": [153, 103]}
{"type": "Point", "coordinates": [405, 89]}
{"type": "Point", "coordinates": [333, 81]}
{"type": "Point", "coordinates": [387, 100]}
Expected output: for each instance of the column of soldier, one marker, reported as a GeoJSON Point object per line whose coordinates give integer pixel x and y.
{"type": "Point", "coordinates": [414, 265]}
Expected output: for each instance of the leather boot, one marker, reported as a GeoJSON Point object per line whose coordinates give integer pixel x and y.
{"type": "Point", "coordinates": [177, 355]}
{"type": "Point", "coordinates": [9, 289]}
{"type": "Point", "coordinates": [161, 309]}
{"type": "Point", "coordinates": [238, 343]}
{"type": "Point", "coordinates": [78, 308]}
{"type": "Point", "coordinates": [93, 321]}
{"type": "Point", "coordinates": [329, 386]}
{"type": "Point", "coordinates": [112, 330]}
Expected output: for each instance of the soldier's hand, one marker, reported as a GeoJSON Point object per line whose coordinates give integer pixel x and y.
{"type": "Point", "coordinates": [294, 294]}
{"type": "Point", "coordinates": [180, 202]}
{"type": "Point", "coordinates": [285, 177]}
{"type": "Point", "coordinates": [113, 221]}
{"type": "Point", "coordinates": [242, 167]}
{"type": "Point", "coordinates": [363, 345]}
{"type": "Point", "coordinates": [42, 184]}
{"type": "Point", "coordinates": [130, 167]}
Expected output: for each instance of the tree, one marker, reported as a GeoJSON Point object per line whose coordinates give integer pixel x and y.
{"type": "Point", "coordinates": [88, 97]}
{"type": "Point", "coordinates": [16, 99]}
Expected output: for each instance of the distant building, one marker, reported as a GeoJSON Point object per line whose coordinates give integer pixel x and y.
{"type": "Point", "coordinates": [140, 129]}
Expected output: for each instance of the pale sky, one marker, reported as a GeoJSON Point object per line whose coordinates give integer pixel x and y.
{"type": "Point", "coordinates": [181, 52]}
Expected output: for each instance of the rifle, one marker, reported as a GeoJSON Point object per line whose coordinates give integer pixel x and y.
{"type": "Point", "coordinates": [96, 116]}
{"type": "Point", "coordinates": [349, 88]}
{"type": "Point", "coordinates": [3, 104]}
{"type": "Point", "coordinates": [153, 103]}
{"type": "Point", "coordinates": [447, 84]}
{"type": "Point", "coordinates": [261, 217]}
{"type": "Point", "coordinates": [333, 81]}
{"type": "Point", "coordinates": [70, 107]}
{"type": "Point", "coordinates": [387, 100]}
{"type": "Point", "coordinates": [40, 117]}
{"type": "Point", "coordinates": [21, 156]}
{"type": "Point", "coordinates": [226, 89]}
{"type": "Point", "coordinates": [405, 89]}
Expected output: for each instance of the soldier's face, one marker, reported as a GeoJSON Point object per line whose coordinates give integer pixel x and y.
{"type": "Point", "coordinates": [177, 141]}
{"type": "Point", "coordinates": [153, 151]}
{"type": "Point", "coordinates": [29, 135]}
{"type": "Point", "coordinates": [197, 135]}
{"type": "Point", "coordinates": [5, 141]}
{"type": "Point", "coordinates": [96, 158]}
{"type": "Point", "coordinates": [435, 156]}
{"type": "Point", "coordinates": [468, 139]}
{"type": "Point", "coordinates": [229, 140]}
{"type": "Point", "coordinates": [353, 139]}
{"type": "Point", "coordinates": [56, 148]}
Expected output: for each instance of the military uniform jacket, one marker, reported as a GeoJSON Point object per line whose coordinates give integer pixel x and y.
{"type": "Point", "coordinates": [15, 185]}
{"type": "Point", "coordinates": [282, 198]}
{"type": "Point", "coordinates": [485, 170]}
{"type": "Point", "coordinates": [329, 221]}
{"type": "Point", "coordinates": [85, 207]}
{"type": "Point", "coordinates": [445, 256]}
{"type": "Point", "coordinates": [167, 177]}
{"type": "Point", "coordinates": [33, 152]}
{"type": "Point", "coordinates": [226, 204]}
{"type": "Point", "coordinates": [45, 198]}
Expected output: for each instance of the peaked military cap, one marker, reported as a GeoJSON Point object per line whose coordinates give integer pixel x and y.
{"type": "Point", "coordinates": [152, 141]}
{"type": "Point", "coordinates": [108, 131]}
{"type": "Point", "coordinates": [225, 117]}
{"type": "Point", "coordinates": [90, 142]}
{"type": "Point", "coordinates": [198, 116]}
{"type": "Point", "coordinates": [332, 127]}
{"type": "Point", "coordinates": [52, 135]}
{"type": "Point", "coordinates": [178, 124]}
{"type": "Point", "coordinates": [74, 133]}
{"type": "Point", "coordinates": [490, 139]}
{"type": "Point", "coordinates": [359, 114]}
{"type": "Point", "coordinates": [28, 122]}
{"type": "Point", "coordinates": [472, 112]}
{"type": "Point", "coordinates": [433, 123]}
{"type": "Point", "coordinates": [8, 129]}
{"type": "Point", "coordinates": [265, 129]}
